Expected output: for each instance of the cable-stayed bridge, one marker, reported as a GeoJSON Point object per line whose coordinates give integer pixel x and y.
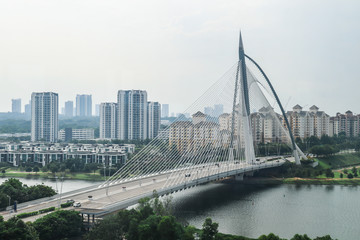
{"type": "Point", "coordinates": [201, 146]}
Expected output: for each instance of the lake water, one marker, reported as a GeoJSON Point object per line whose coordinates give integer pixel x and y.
{"type": "Point", "coordinates": [253, 210]}
{"type": "Point", "coordinates": [67, 185]}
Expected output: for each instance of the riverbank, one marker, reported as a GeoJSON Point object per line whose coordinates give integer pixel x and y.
{"type": "Point", "coordinates": [306, 181]}
{"type": "Point", "coordinates": [49, 175]}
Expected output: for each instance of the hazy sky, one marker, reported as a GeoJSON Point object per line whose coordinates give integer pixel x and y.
{"type": "Point", "coordinates": [176, 49]}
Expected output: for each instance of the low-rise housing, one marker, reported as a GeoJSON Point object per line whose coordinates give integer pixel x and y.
{"type": "Point", "coordinates": [106, 154]}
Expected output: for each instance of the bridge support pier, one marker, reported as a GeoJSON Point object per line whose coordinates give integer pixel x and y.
{"type": "Point", "coordinates": [250, 174]}
{"type": "Point", "coordinates": [239, 177]}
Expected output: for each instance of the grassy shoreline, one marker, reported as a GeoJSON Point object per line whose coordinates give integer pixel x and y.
{"type": "Point", "coordinates": [48, 175]}
{"type": "Point", "coordinates": [305, 181]}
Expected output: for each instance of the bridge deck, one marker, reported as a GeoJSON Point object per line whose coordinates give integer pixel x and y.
{"type": "Point", "coordinates": [120, 195]}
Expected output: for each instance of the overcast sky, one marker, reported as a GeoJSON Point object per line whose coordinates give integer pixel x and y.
{"type": "Point", "coordinates": [176, 49]}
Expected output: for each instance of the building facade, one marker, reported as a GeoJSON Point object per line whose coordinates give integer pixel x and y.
{"type": "Point", "coordinates": [194, 135]}
{"type": "Point", "coordinates": [132, 115]}
{"type": "Point", "coordinates": [44, 116]}
{"type": "Point", "coordinates": [305, 124]}
{"type": "Point", "coordinates": [153, 119]}
{"type": "Point", "coordinates": [347, 123]}
{"type": "Point", "coordinates": [69, 109]}
{"type": "Point", "coordinates": [105, 154]}
{"type": "Point", "coordinates": [83, 105]}
{"type": "Point", "coordinates": [69, 134]}
{"type": "Point", "coordinates": [165, 110]}
{"type": "Point", "coordinates": [108, 120]}
{"type": "Point", "coordinates": [16, 105]}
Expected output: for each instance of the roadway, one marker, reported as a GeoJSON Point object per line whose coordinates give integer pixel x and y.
{"type": "Point", "coordinates": [115, 196]}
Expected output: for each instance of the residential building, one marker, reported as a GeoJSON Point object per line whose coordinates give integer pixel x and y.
{"type": "Point", "coordinates": [108, 120]}
{"type": "Point", "coordinates": [347, 123]}
{"type": "Point", "coordinates": [105, 154]}
{"type": "Point", "coordinates": [305, 124]}
{"type": "Point", "coordinates": [132, 115]}
{"type": "Point", "coordinates": [83, 105]}
{"type": "Point", "coordinates": [16, 105]}
{"type": "Point", "coordinates": [28, 110]}
{"type": "Point", "coordinates": [194, 135]}
{"type": "Point", "coordinates": [153, 119]}
{"type": "Point", "coordinates": [97, 110]}
{"type": "Point", "coordinates": [69, 108]}
{"type": "Point", "coordinates": [165, 110]}
{"type": "Point", "coordinates": [69, 134]}
{"type": "Point", "coordinates": [44, 116]}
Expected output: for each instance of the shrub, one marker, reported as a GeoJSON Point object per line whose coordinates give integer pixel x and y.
{"type": "Point", "coordinates": [25, 215]}
{"type": "Point", "coordinates": [45, 210]}
{"type": "Point", "coordinates": [350, 176]}
{"type": "Point", "coordinates": [65, 205]}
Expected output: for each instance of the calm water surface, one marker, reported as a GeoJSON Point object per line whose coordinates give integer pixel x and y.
{"type": "Point", "coordinates": [283, 209]}
{"type": "Point", "coordinates": [67, 185]}
{"type": "Point", "coordinates": [253, 210]}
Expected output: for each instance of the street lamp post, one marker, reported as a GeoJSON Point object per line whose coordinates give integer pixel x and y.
{"type": "Point", "coordinates": [9, 199]}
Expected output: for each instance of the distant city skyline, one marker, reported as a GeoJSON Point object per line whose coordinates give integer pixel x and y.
{"type": "Point", "coordinates": [178, 50]}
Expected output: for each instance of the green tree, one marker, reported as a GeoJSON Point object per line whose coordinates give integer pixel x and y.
{"type": "Point", "coordinates": [28, 169]}
{"type": "Point", "coordinates": [36, 169]}
{"type": "Point", "coordinates": [350, 176]}
{"type": "Point", "coordinates": [329, 173]}
{"type": "Point", "coordinates": [327, 237]}
{"type": "Point", "coordinates": [271, 236]}
{"type": "Point", "coordinates": [209, 229]}
{"type": "Point", "coordinates": [15, 228]}
{"type": "Point", "coordinates": [341, 175]}
{"type": "Point", "coordinates": [300, 237]}
{"type": "Point", "coordinates": [58, 225]}
{"type": "Point", "coordinates": [168, 228]}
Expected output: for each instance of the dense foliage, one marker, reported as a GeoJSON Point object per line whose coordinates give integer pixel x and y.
{"type": "Point", "coordinates": [58, 225]}
{"type": "Point", "coordinates": [329, 145]}
{"type": "Point", "coordinates": [20, 192]}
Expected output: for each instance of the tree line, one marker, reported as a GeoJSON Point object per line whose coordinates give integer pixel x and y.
{"type": "Point", "coordinates": [14, 190]}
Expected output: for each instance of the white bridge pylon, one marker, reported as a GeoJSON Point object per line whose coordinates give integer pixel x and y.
{"type": "Point", "coordinates": [232, 126]}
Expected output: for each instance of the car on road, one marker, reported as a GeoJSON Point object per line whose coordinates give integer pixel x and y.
{"type": "Point", "coordinates": [70, 201]}
{"type": "Point", "coordinates": [187, 175]}
{"type": "Point", "coordinates": [77, 204]}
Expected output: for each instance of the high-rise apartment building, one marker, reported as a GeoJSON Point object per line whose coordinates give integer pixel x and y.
{"type": "Point", "coordinates": [305, 124]}
{"type": "Point", "coordinates": [97, 109]}
{"type": "Point", "coordinates": [165, 110]}
{"type": "Point", "coordinates": [108, 120]}
{"type": "Point", "coordinates": [28, 110]}
{"type": "Point", "coordinates": [83, 105]}
{"type": "Point", "coordinates": [69, 108]}
{"type": "Point", "coordinates": [132, 111]}
{"type": "Point", "coordinates": [153, 119]}
{"type": "Point", "coordinates": [16, 105]}
{"type": "Point", "coordinates": [347, 123]}
{"type": "Point", "coordinates": [44, 116]}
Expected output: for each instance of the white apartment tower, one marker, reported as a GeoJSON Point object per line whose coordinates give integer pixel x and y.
{"type": "Point", "coordinates": [153, 119]}
{"type": "Point", "coordinates": [165, 110]}
{"type": "Point", "coordinates": [16, 105]}
{"type": "Point", "coordinates": [44, 116]}
{"type": "Point", "coordinates": [69, 108]}
{"type": "Point", "coordinates": [83, 105]}
{"type": "Point", "coordinates": [132, 115]}
{"type": "Point", "coordinates": [108, 120]}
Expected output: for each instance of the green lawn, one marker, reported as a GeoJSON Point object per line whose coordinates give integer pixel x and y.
{"type": "Point", "coordinates": [339, 161]}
